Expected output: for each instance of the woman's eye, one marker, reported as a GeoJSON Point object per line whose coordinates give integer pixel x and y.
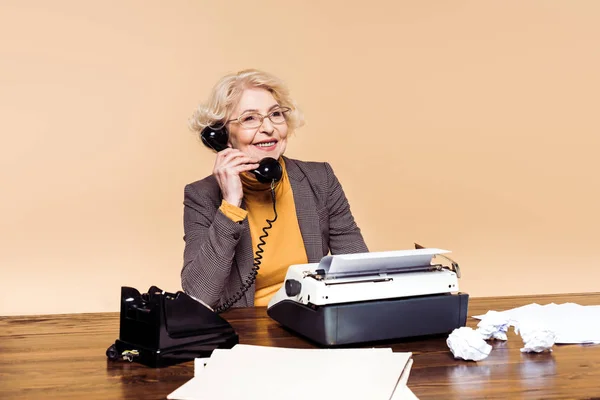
{"type": "Point", "coordinates": [249, 118]}
{"type": "Point", "coordinates": [277, 114]}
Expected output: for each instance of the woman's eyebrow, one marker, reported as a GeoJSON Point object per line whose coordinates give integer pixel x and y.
{"type": "Point", "coordinates": [274, 106]}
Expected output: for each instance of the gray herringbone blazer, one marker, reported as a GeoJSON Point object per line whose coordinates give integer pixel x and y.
{"type": "Point", "coordinates": [218, 253]}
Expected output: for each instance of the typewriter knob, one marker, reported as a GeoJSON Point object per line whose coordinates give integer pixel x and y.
{"type": "Point", "coordinates": [292, 287]}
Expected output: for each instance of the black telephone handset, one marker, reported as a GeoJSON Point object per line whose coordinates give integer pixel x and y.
{"type": "Point", "coordinates": [268, 171]}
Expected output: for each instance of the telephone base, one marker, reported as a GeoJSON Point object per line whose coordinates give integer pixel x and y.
{"type": "Point", "coordinates": [158, 329]}
{"type": "Point", "coordinates": [158, 358]}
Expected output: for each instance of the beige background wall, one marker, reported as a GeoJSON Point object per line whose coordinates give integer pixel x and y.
{"type": "Point", "coordinates": [466, 125]}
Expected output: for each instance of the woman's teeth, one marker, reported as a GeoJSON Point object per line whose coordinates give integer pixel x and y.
{"type": "Point", "coordinates": [266, 144]}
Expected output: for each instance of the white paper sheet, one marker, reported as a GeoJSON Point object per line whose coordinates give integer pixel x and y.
{"type": "Point", "coordinates": [571, 323]}
{"type": "Point", "coordinates": [378, 261]}
{"type": "Point", "coordinates": [404, 394]}
{"type": "Point", "coordinates": [192, 389]}
{"type": "Point", "coordinates": [257, 372]}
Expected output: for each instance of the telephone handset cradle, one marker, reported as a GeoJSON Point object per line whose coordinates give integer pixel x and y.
{"type": "Point", "coordinates": [159, 329]}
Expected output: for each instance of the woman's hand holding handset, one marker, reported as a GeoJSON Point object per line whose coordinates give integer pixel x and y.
{"type": "Point", "coordinates": [229, 164]}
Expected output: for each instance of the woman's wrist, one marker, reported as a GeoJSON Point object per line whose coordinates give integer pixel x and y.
{"type": "Point", "coordinates": [233, 200]}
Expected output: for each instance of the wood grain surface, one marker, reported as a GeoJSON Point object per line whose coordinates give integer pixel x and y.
{"type": "Point", "coordinates": [63, 357]}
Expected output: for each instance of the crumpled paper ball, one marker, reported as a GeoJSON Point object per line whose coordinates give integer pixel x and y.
{"type": "Point", "coordinates": [536, 338]}
{"type": "Point", "coordinates": [468, 344]}
{"type": "Point", "coordinates": [494, 325]}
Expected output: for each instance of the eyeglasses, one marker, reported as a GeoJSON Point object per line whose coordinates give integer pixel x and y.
{"type": "Point", "coordinates": [253, 119]}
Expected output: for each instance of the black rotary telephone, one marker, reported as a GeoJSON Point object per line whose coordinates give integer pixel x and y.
{"type": "Point", "coordinates": [268, 171]}
{"type": "Point", "coordinates": [159, 329]}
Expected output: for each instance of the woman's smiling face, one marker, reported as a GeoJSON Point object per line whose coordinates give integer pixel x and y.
{"type": "Point", "coordinates": [267, 140]}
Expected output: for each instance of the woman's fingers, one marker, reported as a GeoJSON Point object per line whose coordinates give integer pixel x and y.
{"type": "Point", "coordinates": [233, 160]}
{"type": "Point", "coordinates": [233, 156]}
{"type": "Point", "coordinates": [229, 164]}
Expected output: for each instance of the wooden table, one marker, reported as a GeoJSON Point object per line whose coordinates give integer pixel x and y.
{"type": "Point", "coordinates": [63, 356]}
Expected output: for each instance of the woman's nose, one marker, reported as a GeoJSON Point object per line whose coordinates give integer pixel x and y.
{"type": "Point", "coordinates": [267, 126]}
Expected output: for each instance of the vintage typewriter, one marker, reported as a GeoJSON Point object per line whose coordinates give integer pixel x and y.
{"type": "Point", "coordinates": [368, 297]}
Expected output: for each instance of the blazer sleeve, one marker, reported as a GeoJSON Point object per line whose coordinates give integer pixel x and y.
{"type": "Point", "coordinates": [344, 235]}
{"type": "Point", "coordinates": [210, 241]}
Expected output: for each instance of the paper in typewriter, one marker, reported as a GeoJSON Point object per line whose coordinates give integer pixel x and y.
{"type": "Point", "coordinates": [378, 261]}
{"type": "Point", "coordinates": [257, 372]}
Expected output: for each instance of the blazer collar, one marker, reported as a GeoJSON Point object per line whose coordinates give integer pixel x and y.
{"type": "Point", "coordinates": [294, 172]}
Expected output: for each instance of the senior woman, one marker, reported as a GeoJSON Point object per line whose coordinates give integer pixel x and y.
{"type": "Point", "coordinates": [229, 260]}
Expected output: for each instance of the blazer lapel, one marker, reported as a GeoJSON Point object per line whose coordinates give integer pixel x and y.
{"type": "Point", "coordinates": [308, 220]}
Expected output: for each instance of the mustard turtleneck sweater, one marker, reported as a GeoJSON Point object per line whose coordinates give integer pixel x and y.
{"type": "Point", "coordinates": [284, 245]}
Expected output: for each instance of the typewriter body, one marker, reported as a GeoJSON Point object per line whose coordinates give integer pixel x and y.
{"type": "Point", "coordinates": [367, 297]}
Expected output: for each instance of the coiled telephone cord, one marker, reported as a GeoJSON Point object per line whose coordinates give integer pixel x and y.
{"type": "Point", "coordinates": [251, 278]}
